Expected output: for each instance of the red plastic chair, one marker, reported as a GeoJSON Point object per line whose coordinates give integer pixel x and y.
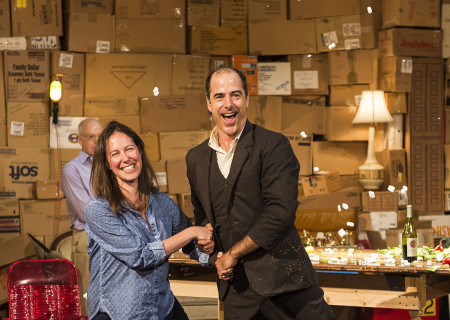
{"type": "Point", "coordinates": [44, 290]}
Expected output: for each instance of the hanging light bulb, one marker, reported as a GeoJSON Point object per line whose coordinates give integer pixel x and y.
{"type": "Point", "coordinates": [55, 90]}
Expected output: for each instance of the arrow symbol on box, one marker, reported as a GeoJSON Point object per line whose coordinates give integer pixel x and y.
{"type": "Point", "coordinates": [128, 78]}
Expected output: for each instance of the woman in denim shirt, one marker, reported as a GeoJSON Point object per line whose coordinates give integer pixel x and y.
{"type": "Point", "coordinates": [132, 230]}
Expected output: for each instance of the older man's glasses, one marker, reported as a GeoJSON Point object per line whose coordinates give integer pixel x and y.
{"type": "Point", "coordinates": [90, 137]}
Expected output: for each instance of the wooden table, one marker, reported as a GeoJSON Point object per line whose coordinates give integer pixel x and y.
{"type": "Point", "coordinates": [395, 287]}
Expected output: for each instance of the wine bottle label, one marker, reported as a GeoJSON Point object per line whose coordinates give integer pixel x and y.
{"type": "Point", "coordinates": [411, 247]}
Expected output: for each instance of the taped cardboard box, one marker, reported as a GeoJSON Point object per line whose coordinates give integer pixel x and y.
{"type": "Point", "coordinates": [217, 40]}
{"type": "Point", "coordinates": [353, 67]}
{"type": "Point", "coordinates": [303, 114]}
{"type": "Point", "coordinates": [338, 33]}
{"type": "Point", "coordinates": [266, 111]}
{"type": "Point", "coordinates": [159, 9]}
{"type": "Point", "coordinates": [301, 145]}
{"type": "Point", "coordinates": [395, 73]}
{"type": "Point", "coordinates": [309, 74]}
{"type": "Point", "coordinates": [189, 73]}
{"type": "Point", "coordinates": [411, 13]}
{"type": "Point", "coordinates": [177, 181]}
{"type": "Point", "coordinates": [286, 37]}
{"type": "Point", "coordinates": [347, 95]}
{"type": "Point", "coordinates": [151, 145]}
{"type": "Point", "coordinates": [175, 145]}
{"type": "Point", "coordinates": [321, 183]}
{"type": "Point", "coordinates": [339, 126]}
{"type": "Point", "coordinates": [128, 75]}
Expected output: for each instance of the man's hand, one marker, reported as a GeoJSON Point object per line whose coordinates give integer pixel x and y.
{"type": "Point", "coordinates": [225, 264]}
{"type": "Point", "coordinates": [206, 246]}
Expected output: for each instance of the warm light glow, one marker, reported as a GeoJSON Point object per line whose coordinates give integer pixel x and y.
{"type": "Point", "coordinates": [55, 90]}
{"type": "Point", "coordinates": [372, 108]}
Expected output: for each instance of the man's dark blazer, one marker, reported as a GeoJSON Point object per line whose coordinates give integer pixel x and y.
{"type": "Point", "coordinates": [262, 204]}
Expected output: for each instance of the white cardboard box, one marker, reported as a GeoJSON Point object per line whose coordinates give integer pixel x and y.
{"type": "Point", "coordinates": [67, 133]}
{"type": "Point", "coordinates": [274, 78]}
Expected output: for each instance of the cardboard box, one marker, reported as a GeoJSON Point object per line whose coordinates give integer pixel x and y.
{"type": "Point", "coordinates": [98, 107]}
{"type": "Point", "coordinates": [174, 113]}
{"type": "Point", "coordinates": [13, 43]}
{"type": "Point", "coordinates": [20, 168]}
{"type": "Point", "coordinates": [47, 189]}
{"type": "Point", "coordinates": [393, 133]}
{"type": "Point", "coordinates": [379, 201]}
{"type": "Point", "coordinates": [5, 236]}
{"type": "Point", "coordinates": [286, 37]}
{"type": "Point", "coordinates": [175, 145]}
{"type": "Point", "coordinates": [70, 65]}
{"type": "Point", "coordinates": [302, 149]}
{"type": "Point", "coordinates": [309, 74]}
{"type": "Point", "coordinates": [343, 156]}
{"type": "Point", "coordinates": [320, 183]}
{"type": "Point", "coordinates": [151, 145]}
{"type": "Point", "coordinates": [16, 249]}
{"type": "Point", "coordinates": [274, 78]}
{"type": "Point", "coordinates": [353, 67]}
{"type": "Point", "coordinates": [339, 126]}
{"type": "Point", "coordinates": [38, 18]}
{"type": "Point", "coordinates": [189, 73]}
{"type": "Point", "coordinates": [90, 6]}
{"type": "Point", "coordinates": [395, 73]}
{"type": "Point", "coordinates": [217, 40]}
{"type": "Point", "coordinates": [44, 217]}
{"type": "Point", "coordinates": [446, 124]}
{"type": "Point", "coordinates": [128, 75]}
{"type": "Point", "coordinates": [325, 8]}
{"type": "Point", "coordinates": [159, 9]}
{"type": "Point", "coordinates": [440, 225]}
{"type": "Point", "coordinates": [324, 220]}
{"type": "Point", "coordinates": [27, 75]}
{"type": "Point", "coordinates": [134, 122]}
{"type": "Point", "coordinates": [266, 111]}
{"type": "Point", "coordinates": [445, 26]}
{"type": "Point", "coordinates": [88, 32]}
{"type": "Point", "coordinates": [143, 35]}
{"type": "Point", "coordinates": [234, 13]}
{"type": "Point", "coordinates": [161, 174]}
{"type": "Point", "coordinates": [5, 18]}
{"type": "Point", "coordinates": [332, 200]}
{"type": "Point", "coordinates": [346, 95]}
{"type": "Point", "coordinates": [396, 102]}
{"type": "Point", "coordinates": [219, 61]}
{"type": "Point", "coordinates": [394, 162]}
{"type": "Point", "coordinates": [9, 225]}
{"type": "Point", "coordinates": [9, 207]}
{"type": "Point", "coordinates": [205, 13]}
{"type": "Point", "coordinates": [267, 10]}
{"type": "Point", "coordinates": [338, 33]}
{"type": "Point", "coordinates": [447, 166]}
{"type": "Point", "coordinates": [3, 140]}
{"type": "Point", "coordinates": [303, 115]}
{"type": "Point", "coordinates": [424, 237]}
{"type": "Point", "coordinates": [177, 181]}
{"type": "Point", "coordinates": [249, 66]}
{"type": "Point", "coordinates": [185, 204]}
{"type": "Point", "coordinates": [411, 13]}
{"type": "Point", "coordinates": [66, 135]}
{"type": "Point", "coordinates": [27, 124]}
{"type": "Point", "coordinates": [43, 42]}
{"type": "Point", "coordinates": [58, 159]}
{"type": "Point", "coordinates": [410, 42]}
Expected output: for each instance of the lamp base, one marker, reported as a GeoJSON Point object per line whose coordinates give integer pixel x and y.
{"type": "Point", "coordinates": [371, 179]}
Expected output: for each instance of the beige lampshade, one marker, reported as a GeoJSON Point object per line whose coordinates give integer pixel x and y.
{"type": "Point", "coordinates": [372, 108]}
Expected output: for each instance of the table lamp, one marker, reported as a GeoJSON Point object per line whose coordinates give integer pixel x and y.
{"type": "Point", "coordinates": [372, 109]}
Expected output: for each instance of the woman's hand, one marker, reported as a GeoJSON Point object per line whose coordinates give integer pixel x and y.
{"type": "Point", "coordinates": [205, 241]}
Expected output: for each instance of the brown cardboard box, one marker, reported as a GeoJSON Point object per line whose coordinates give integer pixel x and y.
{"type": "Point", "coordinates": [44, 217]}
{"type": "Point", "coordinates": [143, 35]}
{"type": "Point", "coordinates": [64, 156]}
{"type": "Point", "coordinates": [98, 107]}
{"type": "Point", "coordinates": [395, 73]}
{"type": "Point", "coordinates": [324, 220]}
{"type": "Point", "coordinates": [447, 166]}
{"type": "Point", "coordinates": [28, 124]}
{"type": "Point", "coordinates": [161, 174]}
{"type": "Point", "coordinates": [3, 140]}
{"type": "Point", "coordinates": [309, 74]}
{"type": "Point", "coordinates": [9, 207]}
{"type": "Point", "coordinates": [159, 9]}
{"type": "Point", "coordinates": [5, 18]}
{"type": "Point", "coordinates": [203, 13]}
{"type": "Point", "coordinates": [396, 102]}
{"type": "Point", "coordinates": [248, 65]}
{"type": "Point", "coordinates": [381, 201]}
{"type": "Point", "coordinates": [266, 111]}
{"type": "Point", "coordinates": [325, 8]}
{"type": "Point", "coordinates": [286, 37]}
{"type": "Point", "coordinates": [128, 75]}
{"type": "Point", "coordinates": [16, 249]}
{"type": "Point", "coordinates": [346, 95]}
{"type": "Point", "coordinates": [339, 126]}
{"type": "Point", "coordinates": [36, 18]}
{"type": "Point", "coordinates": [134, 122]}
{"type": "Point", "coordinates": [332, 200]}
{"type": "Point", "coordinates": [440, 224]}
{"type": "Point", "coordinates": [344, 156]}
{"type": "Point", "coordinates": [338, 33]}
{"type": "Point", "coordinates": [151, 142]}
{"type": "Point", "coordinates": [267, 10]}
{"type": "Point", "coordinates": [27, 75]}
{"type": "Point", "coordinates": [71, 66]}
{"type": "Point", "coordinates": [90, 6]}
{"type": "Point", "coordinates": [410, 42]}
{"type": "Point", "coordinates": [189, 73]}
{"type": "Point", "coordinates": [302, 150]}
{"type": "Point", "coordinates": [424, 237]}
{"type": "Point", "coordinates": [411, 13]}
{"type": "Point", "coordinates": [234, 13]}
{"type": "Point", "coordinates": [174, 113]}
{"type": "Point", "coordinates": [219, 61]}
{"type": "Point", "coordinates": [65, 134]}
{"type": "Point", "coordinates": [175, 145]}
{"type": "Point", "coordinates": [352, 67]}
{"type": "Point", "coordinates": [89, 32]}
{"type": "Point", "coordinates": [274, 78]}
{"type": "Point", "coordinates": [185, 204]}
{"type": "Point", "coordinates": [217, 40]}
{"type": "Point", "coordinates": [307, 115]}
{"type": "Point", "coordinates": [394, 162]}
{"type": "Point", "coordinates": [445, 26]}
{"type": "Point", "coordinates": [47, 189]}
{"type": "Point", "coordinates": [320, 183]}
{"type": "Point", "coordinates": [20, 168]}
{"type": "Point", "coordinates": [177, 181]}
{"type": "Point", "coordinates": [5, 236]}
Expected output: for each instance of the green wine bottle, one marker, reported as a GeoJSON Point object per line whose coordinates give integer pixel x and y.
{"type": "Point", "coordinates": [409, 237]}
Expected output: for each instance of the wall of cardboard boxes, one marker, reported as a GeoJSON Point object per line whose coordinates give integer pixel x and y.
{"type": "Point", "coordinates": [144, 64]}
